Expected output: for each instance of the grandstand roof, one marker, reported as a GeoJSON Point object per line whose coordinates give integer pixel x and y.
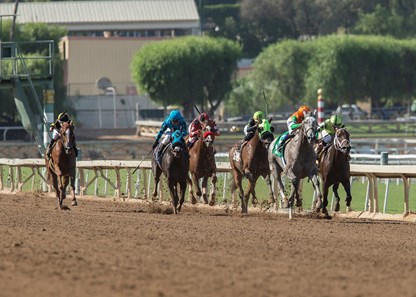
{"type": "Point", "coordinates": [86, 15]}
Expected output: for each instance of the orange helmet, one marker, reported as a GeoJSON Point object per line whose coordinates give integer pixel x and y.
{"type": "Point", "coordinates": [304, 109]}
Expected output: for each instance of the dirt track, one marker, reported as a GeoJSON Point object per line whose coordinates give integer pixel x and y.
{"type": "Point", "coordinates": [107, 248]}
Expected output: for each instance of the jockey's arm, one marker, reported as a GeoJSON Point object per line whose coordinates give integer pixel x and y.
{"type": "Point", "coordinates": [161, 131]}
{"type": "Point", "coordinates": [194, 129]}
{"type": "Point", "coordinates": [183, 129]}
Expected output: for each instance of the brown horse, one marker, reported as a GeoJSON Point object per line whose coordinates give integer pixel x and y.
{"type": "Point", "coordinates": [254, 163]}
{"type": "Point", "coordinates": [334, 167]}
{"type": "Point", "coordinates": [62, 164]}
{"type": "Point", "coordinates": [299, 162]}
{"type": "Point", "coordinates": [202, 164]}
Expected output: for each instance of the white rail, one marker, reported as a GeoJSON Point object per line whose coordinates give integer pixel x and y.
{"type": "Point", "coordinates": [100, 168]}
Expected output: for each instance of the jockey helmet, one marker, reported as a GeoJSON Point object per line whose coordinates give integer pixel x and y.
{"type": "Point", "coordinates": [304, 109]}
{"type": "Point", "coordinates": [175, 116]}
{"type": "Point", "coordinates": [258, 116]}
{"type": "Point", "coordinates": [336, 120]}
{"type": "Point", "coordinates": [63, 117]}
{"type": "Point", "coordinates": [203, 117]}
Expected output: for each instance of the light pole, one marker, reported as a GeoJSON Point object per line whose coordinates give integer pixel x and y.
{"type": "Point", "coordinates": [113, 91]}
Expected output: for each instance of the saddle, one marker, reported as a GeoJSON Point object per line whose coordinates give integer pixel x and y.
{"type": "Point", "coordinates": [280, 144]}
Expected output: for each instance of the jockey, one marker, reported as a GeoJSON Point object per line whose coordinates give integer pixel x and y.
{"type": "Point", "coordinates": [293, 123]}
{"type": "Point", "coordinates": [174, 121]}
{"type": "Point", "coordinates": [196, 127]}
{"type": "Point", "coordinates": [55, 129]}
{"type": "Point", "coordinates": [250, 130]}
{"type": "Point", "coordinates": [328, 128]}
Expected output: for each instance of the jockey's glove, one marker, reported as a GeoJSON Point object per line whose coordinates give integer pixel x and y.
{"type": "Point", "coordinates": [155, 144]}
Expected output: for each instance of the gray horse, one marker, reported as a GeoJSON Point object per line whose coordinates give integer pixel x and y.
{"type": "Point", "coordinates": [299, 161]}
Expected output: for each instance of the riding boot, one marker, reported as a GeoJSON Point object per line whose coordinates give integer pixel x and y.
{"type": "Point", "coordinates": [49, 149]}
{"type": "Point", "coordinates": [159, 153]}
{"type": "Point", "coordinates": [282, 142]}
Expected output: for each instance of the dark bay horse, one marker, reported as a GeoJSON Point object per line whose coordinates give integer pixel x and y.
{"type": "Point", "coordinates": [253, 164]}
{"type": "Point", "coordinates": [299, 162]}
{"type": "Point", "coordinates": [62, 165]}
{"type": "Point", "coordinates": [334, 167]}
{"type": "Point", "coordinates": [175, 166]}
{"type": "Point", "coordinates": [202, 164]}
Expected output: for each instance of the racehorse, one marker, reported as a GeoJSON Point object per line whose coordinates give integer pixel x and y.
{"type": "Point", "coordinates": [253, 163]}
{"type": "Point", "coordinates": [62, 164]}
{"type": "Point", "coordinates": [202, 164]}
{"type": "Point", "coordinates": [175, 166]}
{"type": "Point", "coordinates": [298, 162]}
{"type": "Point", "coordinates": [334, 167]}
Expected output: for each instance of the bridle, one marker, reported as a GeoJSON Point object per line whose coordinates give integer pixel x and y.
{"type": "Point", "coordinates": [66, 134]}
{"type": "Point", "coordinates": [309, 125]}
{"type": "Point", "coordinates": [341, 144]}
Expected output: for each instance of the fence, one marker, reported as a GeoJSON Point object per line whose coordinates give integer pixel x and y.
{"type": "Point", "coordinates": [111, 172]}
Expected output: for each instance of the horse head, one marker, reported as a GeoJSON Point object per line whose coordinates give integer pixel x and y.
{"type": "Point", "coordinates": [178, 143]}
{"type": "Point", "coordinates": [309, 127]}
{"type": "Point", "coordinates": [67, 136]}
{"type": "Point", "coordinates": [208, 134]}
{"type": "Point", "coordinates": [342, 140]}
{"type": "Point", "coordinates": [265, 131]}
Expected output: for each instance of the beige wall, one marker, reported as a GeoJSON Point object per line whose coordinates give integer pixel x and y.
{"type": "Point", "coordinates": [89, 58]}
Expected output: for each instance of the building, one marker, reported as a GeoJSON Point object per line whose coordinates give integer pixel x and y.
{"type": "Point", "coordinates": [102, 38]}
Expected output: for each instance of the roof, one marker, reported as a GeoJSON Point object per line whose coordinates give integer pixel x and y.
{"type": "Point", "coordinates": [94, 12]}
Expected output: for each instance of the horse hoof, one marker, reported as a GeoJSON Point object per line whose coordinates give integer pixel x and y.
{"type": "Point", "coordinates": [194, 201]}
{"type": "Point", "coordinates": [337, 207]}
{"type": "Point", "coordinates": [74, 203]}
{"type": "Point", "coordinates": [212, 202]}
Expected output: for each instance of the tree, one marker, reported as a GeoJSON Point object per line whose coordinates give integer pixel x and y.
{"type": "Point", "coordinates": [187, 71]}
{"type": "Point", "coordinates": [348, 68]}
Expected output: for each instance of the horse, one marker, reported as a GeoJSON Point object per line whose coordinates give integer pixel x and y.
{"type": "Point", "coordinates": [62, 164]}
{"type": "Point", "coordinates": [202, 164]}
{"type": "Point", "coordinates": [175, 166]}
{"type": "Point", "coordinates": [334, 167]}
{"type": "Point", "coordinates": [298, 162]}
{"type": "Point", "coordinates": [253, 163]}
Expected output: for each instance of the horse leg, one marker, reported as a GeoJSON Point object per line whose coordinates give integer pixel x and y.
{"type": "Point", "coordinates": [272, 200]}
{"type": "Point", "coordinates": [347, 187]}
{"type": "Point", "coordinates": [335, 190]}
{"type": "Point", "coordinates": [293, 191]}
{"type": "Point", "coordinates": [57, 191]}
{"type": "Point", "coordinates": [74, 200]}
{"type": "Point", "coordinates": [238, 178]}
{"type": "Point", "coordinates": [233, 187]}
{"type": "Point", "coordinates": [156, 179]}
{"type": "Point", "coordinates": [191, 191]}
{"type": "Point", "coordinates": [252, 190]}
{"type": "Point", "coordinates": [213, 184]}
{"type": "Point", "coordinates": [204, 189]}
{"type": "Point", "coordinates": [322, 201]}
{"type": "Point", "coordinates": [325, 192]}
{"type": "Point", "coordinates": [182, 191]}
{"type": "Point", "coordinates": [197, 186]}
{"type": "Point", "coordinates": [278, 174]}
{"type": "Point", "coordinates": [63, 183]}
{"type": "Point", "coordinates": [173, 190]}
